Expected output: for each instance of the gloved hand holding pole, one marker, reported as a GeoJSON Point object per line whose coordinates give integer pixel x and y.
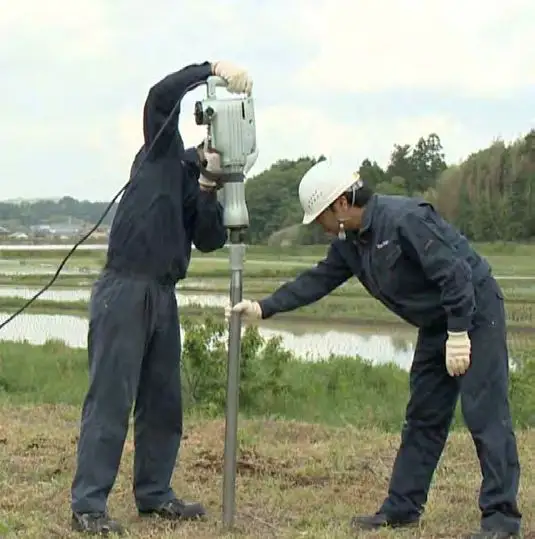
{"type": "Point", "coordinates": [248, 308]}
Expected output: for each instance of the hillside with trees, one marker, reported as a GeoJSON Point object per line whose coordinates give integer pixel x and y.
{"type": "Point", "coordinates": [41, 212]}
{"type": "Point", "coordinates": [489, 197]}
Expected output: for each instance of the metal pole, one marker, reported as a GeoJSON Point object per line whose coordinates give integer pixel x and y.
{"type": "Point", "coordinates": [236, 256]}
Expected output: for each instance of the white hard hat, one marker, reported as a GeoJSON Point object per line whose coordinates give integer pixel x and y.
{"type": "Point", "coordinates": [321, 185]}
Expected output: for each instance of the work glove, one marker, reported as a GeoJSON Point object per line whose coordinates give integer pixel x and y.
{"type": "Point", "coordinates": [250, 309]}
{"type": "Point", "coordinates": [458, 349]}
{"type": "Point", "coordinates": [238, 80]}
{"type": "Point", "coordinates": [213, 165]}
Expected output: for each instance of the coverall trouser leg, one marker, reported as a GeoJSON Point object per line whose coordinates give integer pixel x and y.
{"type": "Point", "coordinates": [127, 317]}
{"type": "Point", "coordinates": [158, 412]}
{"type": "Point", "coordinates": [485, 408]}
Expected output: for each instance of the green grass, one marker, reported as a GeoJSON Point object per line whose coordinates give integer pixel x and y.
{"type": "Point", "coordinates": [506, 259]}
{"type": "Point", "coordinates": [513, 289]}
{"type": "Point", "coordinates": [335, 390]}
{"type": "Point", "coordinates": [316, 443]}
{"type": "Point", "coordinates": [81, 308]}
{"type": "Point", "coordinates": [336, 308]}
{"type": "Point", "coordinates": [294, 479]}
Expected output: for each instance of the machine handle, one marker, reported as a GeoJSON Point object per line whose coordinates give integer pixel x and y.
{"type": "Point", "coordinates": [212, 83]}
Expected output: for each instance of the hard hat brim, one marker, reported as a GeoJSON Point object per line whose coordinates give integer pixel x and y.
{"type": "Point", "coordinates": [307, 219]}
{"type": "Point", "coordinates": [310, 217]}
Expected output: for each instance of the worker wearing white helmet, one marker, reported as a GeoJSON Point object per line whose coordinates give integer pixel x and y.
{"type": "Point", "coordinates": [426, 272]}
{"type": "Point", "coordinates": [322, 186]}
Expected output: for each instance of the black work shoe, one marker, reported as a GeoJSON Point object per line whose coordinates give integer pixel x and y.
{"type": "Point", "coordinates": [177, 510]}
{"type": "Point", "coordinates": [487, 534]}
{"type": "Point", "coordinates": [380, 520]}
{"type": "Point", "coordinates": [95, 524]}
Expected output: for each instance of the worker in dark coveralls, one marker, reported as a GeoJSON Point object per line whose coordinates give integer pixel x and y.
{"type": "Point", "coordinates": [134, 337]}
{"type": "Point", "coordinates": [426, 272]}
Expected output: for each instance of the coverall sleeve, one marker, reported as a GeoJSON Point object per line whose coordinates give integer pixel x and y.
{"type": "Point", "coordinates": [205, 213]}
{"type": "Point", "coordinates": [160, 102]}
{"type": "Point", "coordinates": [429, 241]}
{"type": "Point", "coordinates": [308, 287]}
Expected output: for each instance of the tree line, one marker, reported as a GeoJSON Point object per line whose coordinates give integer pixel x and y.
{"type": "Point", "coordinates": [42, 212]}
{"type": "Point", "coordinates": [489, 197]}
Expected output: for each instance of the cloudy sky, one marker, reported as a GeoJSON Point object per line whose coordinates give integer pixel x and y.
{"type": "Point", "coordinates": [341, 77]}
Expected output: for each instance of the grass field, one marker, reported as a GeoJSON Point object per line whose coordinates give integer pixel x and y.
{"type": "Point", "coordinates": [294, 480]}
{"type": "Point", "coordinates": [266, 269]}
{"type": "Point", "coordinates": [338, 308]}
{"type": "Point", "coordinates": [506, 259]}
{"type": "Point", "coordinates": [364, 312]}
{"type": "Point", "coordinates": [317, 440]}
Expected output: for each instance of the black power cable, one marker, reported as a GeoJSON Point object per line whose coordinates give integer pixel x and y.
{"type": "Point", "coordinates": [97, 224]}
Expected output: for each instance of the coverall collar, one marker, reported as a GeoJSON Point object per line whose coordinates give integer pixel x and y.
{"type": "Point", "coordinates": [367, 215]}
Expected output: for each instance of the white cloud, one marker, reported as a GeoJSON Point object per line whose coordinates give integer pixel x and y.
{"type": "Point", "coordinates": [72, 29]}
{"type": "Point", "coordinates": [76, 74]}
{"type": "Point", "coordinates": [307, 131]}
{"type": "Point", "coordinates": [473, 47]}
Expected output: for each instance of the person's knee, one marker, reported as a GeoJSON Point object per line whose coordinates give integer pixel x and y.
{"type": "Point", "coordinates": [435, 412]}
{"type": "Point", "coordinates": [485, 407]}
{"type": "Point", "coordinates": [105, 415]}
{"type": "Point", "coordinates": [169, 412]}
{"type": "Point", "coordinates": [161, 406]}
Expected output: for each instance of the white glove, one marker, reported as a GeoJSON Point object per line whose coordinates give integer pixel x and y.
{"type": "Point", "coordinates": [238, 80]}
{"type": "Point", "coordinates": [246, 307]}
{"type": "Point", "coordinates": [250, 161]}
{"type": "Point", "coordinates": [458, 349]}
{"type": "Point", "coordinates": [213, 164]}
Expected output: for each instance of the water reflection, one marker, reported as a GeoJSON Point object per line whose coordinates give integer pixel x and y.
{"type": "Point", "coordinates": [83, 294]}
{"type": "Point", "coordinates": [38, 328]}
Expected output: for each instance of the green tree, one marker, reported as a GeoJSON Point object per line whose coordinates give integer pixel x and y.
{"type": "Point", "coordinates": [490, 196]}
{"type": "Point", "coordinates": [371, 173]}
{"type": "Point", "coordinates": [401, 165]}
{"type": "Point", "coordinates": [273, 198]}
{"type": "Point", "coordinates": [428, 161]}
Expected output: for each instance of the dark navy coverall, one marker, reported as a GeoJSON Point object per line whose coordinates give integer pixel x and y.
{"type": "Point", "coordinates": [426, 272]}
{"type": "Point", "coordinates": [134, 336]}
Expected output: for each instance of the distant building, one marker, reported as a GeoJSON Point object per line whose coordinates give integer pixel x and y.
{"type": "Point", "coordinates": [41, 231]}
{"type": "Point", "coordinates": [58, 230]}
{"type": "Point", "coordinates": [65, 229]}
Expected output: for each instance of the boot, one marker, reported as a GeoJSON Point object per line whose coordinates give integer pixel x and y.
{"type": "Point", "coordinates": [176, 510]}
{"type": "Point", "coordinates": [95, 524]}
{"type": "Point", "coordinates": [380, 520]}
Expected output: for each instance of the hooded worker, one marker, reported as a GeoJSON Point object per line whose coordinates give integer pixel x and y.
{"type": "Point", "coordinates": [134, 336]}
{"type": "Point", "coordinates": [426, 272]}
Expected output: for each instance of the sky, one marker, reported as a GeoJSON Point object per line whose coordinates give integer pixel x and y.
{"type": "Point", "coordinates": [345, 78]}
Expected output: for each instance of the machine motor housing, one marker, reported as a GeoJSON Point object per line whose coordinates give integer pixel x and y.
{"type": "Point", "coordinates": [231, 126]}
